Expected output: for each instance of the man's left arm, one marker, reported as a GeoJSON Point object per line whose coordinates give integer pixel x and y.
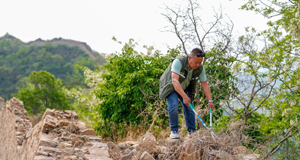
{"type": "Point", "coordinates": [206, 88]}
{"type": "Point", "coordinates": [207, 93]}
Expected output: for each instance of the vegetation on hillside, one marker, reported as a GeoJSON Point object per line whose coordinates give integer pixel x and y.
{"type": "Point", "coordinates": [17, 61]}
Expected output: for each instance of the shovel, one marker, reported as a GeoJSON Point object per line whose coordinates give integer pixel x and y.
{"type": "Point", "coordinates": [210, 118]}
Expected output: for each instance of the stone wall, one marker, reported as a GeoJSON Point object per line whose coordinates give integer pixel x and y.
{"type": "Point", "coordinates": [22, 122]}
{"type": "Point", "coordinates": [59, 135]}
{"type": "Point", "coordinates": [8, 139]}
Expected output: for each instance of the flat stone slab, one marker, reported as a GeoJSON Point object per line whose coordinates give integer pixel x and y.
{"type": "Point", "coordinates": [98, 152]}
{"type": "Point", "coordinates": [99, 145]}
{"type": "Point", "coordinates": [95, 138]}
{"type": "Point", "coordinates": [43, 158]}
{"type": "Point", "coordinates": [91, 157]}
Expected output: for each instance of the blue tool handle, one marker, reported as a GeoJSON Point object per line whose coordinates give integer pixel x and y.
{"type": "Point", "coordinates": [198, 116]}
{"type": "Point", "coordinates": [191, 106]}
{"type": "Point", "coordinates": [210, 113]}
{"type": "Point", "coordinates": [210, 119]}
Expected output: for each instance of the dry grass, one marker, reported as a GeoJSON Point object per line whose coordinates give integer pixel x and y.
{"type": "Point", "coordinates": [132, 132]}
{"type": "Point", "coordinates": [200, 146]}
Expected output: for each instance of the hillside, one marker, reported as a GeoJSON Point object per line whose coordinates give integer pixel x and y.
{"type": "Point", "coordinates": [57, 56]}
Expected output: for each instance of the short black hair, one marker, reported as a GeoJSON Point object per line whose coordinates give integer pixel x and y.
{"type": "Point", "coordinates": [197, 52]}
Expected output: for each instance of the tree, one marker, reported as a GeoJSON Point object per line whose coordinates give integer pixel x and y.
{"type": "Point", "coordinates": [286, 13]}
{"type": "Point", "coordinates": [282, 52]}
{"type": "Point", "coordinates": [260, 70]}
{"type": "Point", "coordinates": [129, 89]}
{"type": "Point", "coordinates": [43, 91]}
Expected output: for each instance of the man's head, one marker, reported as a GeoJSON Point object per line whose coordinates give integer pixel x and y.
{"type": "Point", "coordinates": [196, 58]}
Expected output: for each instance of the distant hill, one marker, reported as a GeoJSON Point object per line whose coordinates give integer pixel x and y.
{"type": "Point", "coordinates": [70, 43]}
{"type": "Point", "coordinates": [9, 37]}
{"type": "Point", "coordinates": [57, 56]}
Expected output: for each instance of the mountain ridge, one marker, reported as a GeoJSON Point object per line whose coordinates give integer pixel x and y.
{"type": "Point", "coordinates": [56, 41]}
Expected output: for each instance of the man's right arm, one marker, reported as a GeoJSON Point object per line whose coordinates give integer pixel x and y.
{"type": "Point", "coordinates": [179, 90]}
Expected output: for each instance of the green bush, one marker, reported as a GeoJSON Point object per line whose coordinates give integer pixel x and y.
{"type": "Point", "coordinates": [129, 89]}
{"type": "Point", "coordinates": [43, 91]}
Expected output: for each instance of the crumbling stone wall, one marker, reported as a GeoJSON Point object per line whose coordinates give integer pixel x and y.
{"type": "Point", "coordinates": [22, 122]}
{"type": "Point", "coordinates": [59, 135]}
{"type": "Point", "coordinates": [8, 140]}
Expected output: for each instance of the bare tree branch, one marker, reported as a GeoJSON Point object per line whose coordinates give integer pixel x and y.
{"type": "Point", "coordinates": [272, 87]}
{"type": "Point", "coordinates": [286, 136]}
{"type": "Point", "coordinates": [235, 111]}
{"type": "Point", "coordinates": [175, 25]}
{"type": "Point", "coordinates": [239, 99]}
{"type": "Point", "coordinates": [214, 24]}
{"type": "Point", "coordinates": [194, 22]}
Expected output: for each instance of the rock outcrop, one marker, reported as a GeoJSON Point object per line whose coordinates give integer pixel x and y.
{"type": "Point", "coordinates": [8, 140]}
{"type": "Point", "coordinates": [58, 135]}
{"type": "Point", "coordinates": [22, 122]}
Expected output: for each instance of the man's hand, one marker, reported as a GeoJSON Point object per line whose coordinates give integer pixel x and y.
{"type": "Point", "coordinates": [186, 100]}
{"type": "Point", "coordinates": [211, 105]}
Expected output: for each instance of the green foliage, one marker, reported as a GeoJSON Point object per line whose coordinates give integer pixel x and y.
{"type": "Point", "coordinates": [43, 91]}
{"type": "Point", "coordinates": [280, 63]}
{"type": "Point", "coordinates": [283, 120]}
{"type": "Point", "coordinates": [276, 62]}
{"type": "Point", "coordinates": [85, 101]}
{"type": "Point", "coordinates": [18, 61]}
{"type": "Point", "coordinates": [290, 149]}
{"type": "Point", "coordinates": [288, 13]}
{"type": "Point", "coordinates": [9, 45]}
{"type": "Point", "coordinates": [129, 88]}
{"type": "Point", "coordinates": [252, 129]}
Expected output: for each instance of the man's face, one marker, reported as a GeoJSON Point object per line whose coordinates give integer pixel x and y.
{"type": "Point", "coordinates": [195, 62]}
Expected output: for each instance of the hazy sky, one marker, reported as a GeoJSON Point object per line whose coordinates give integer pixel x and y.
{"type": "Point", "coordinates": [97, 21]}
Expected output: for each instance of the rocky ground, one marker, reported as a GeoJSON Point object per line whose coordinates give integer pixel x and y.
{"type": "Point", "coordinates": [60, 135]}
